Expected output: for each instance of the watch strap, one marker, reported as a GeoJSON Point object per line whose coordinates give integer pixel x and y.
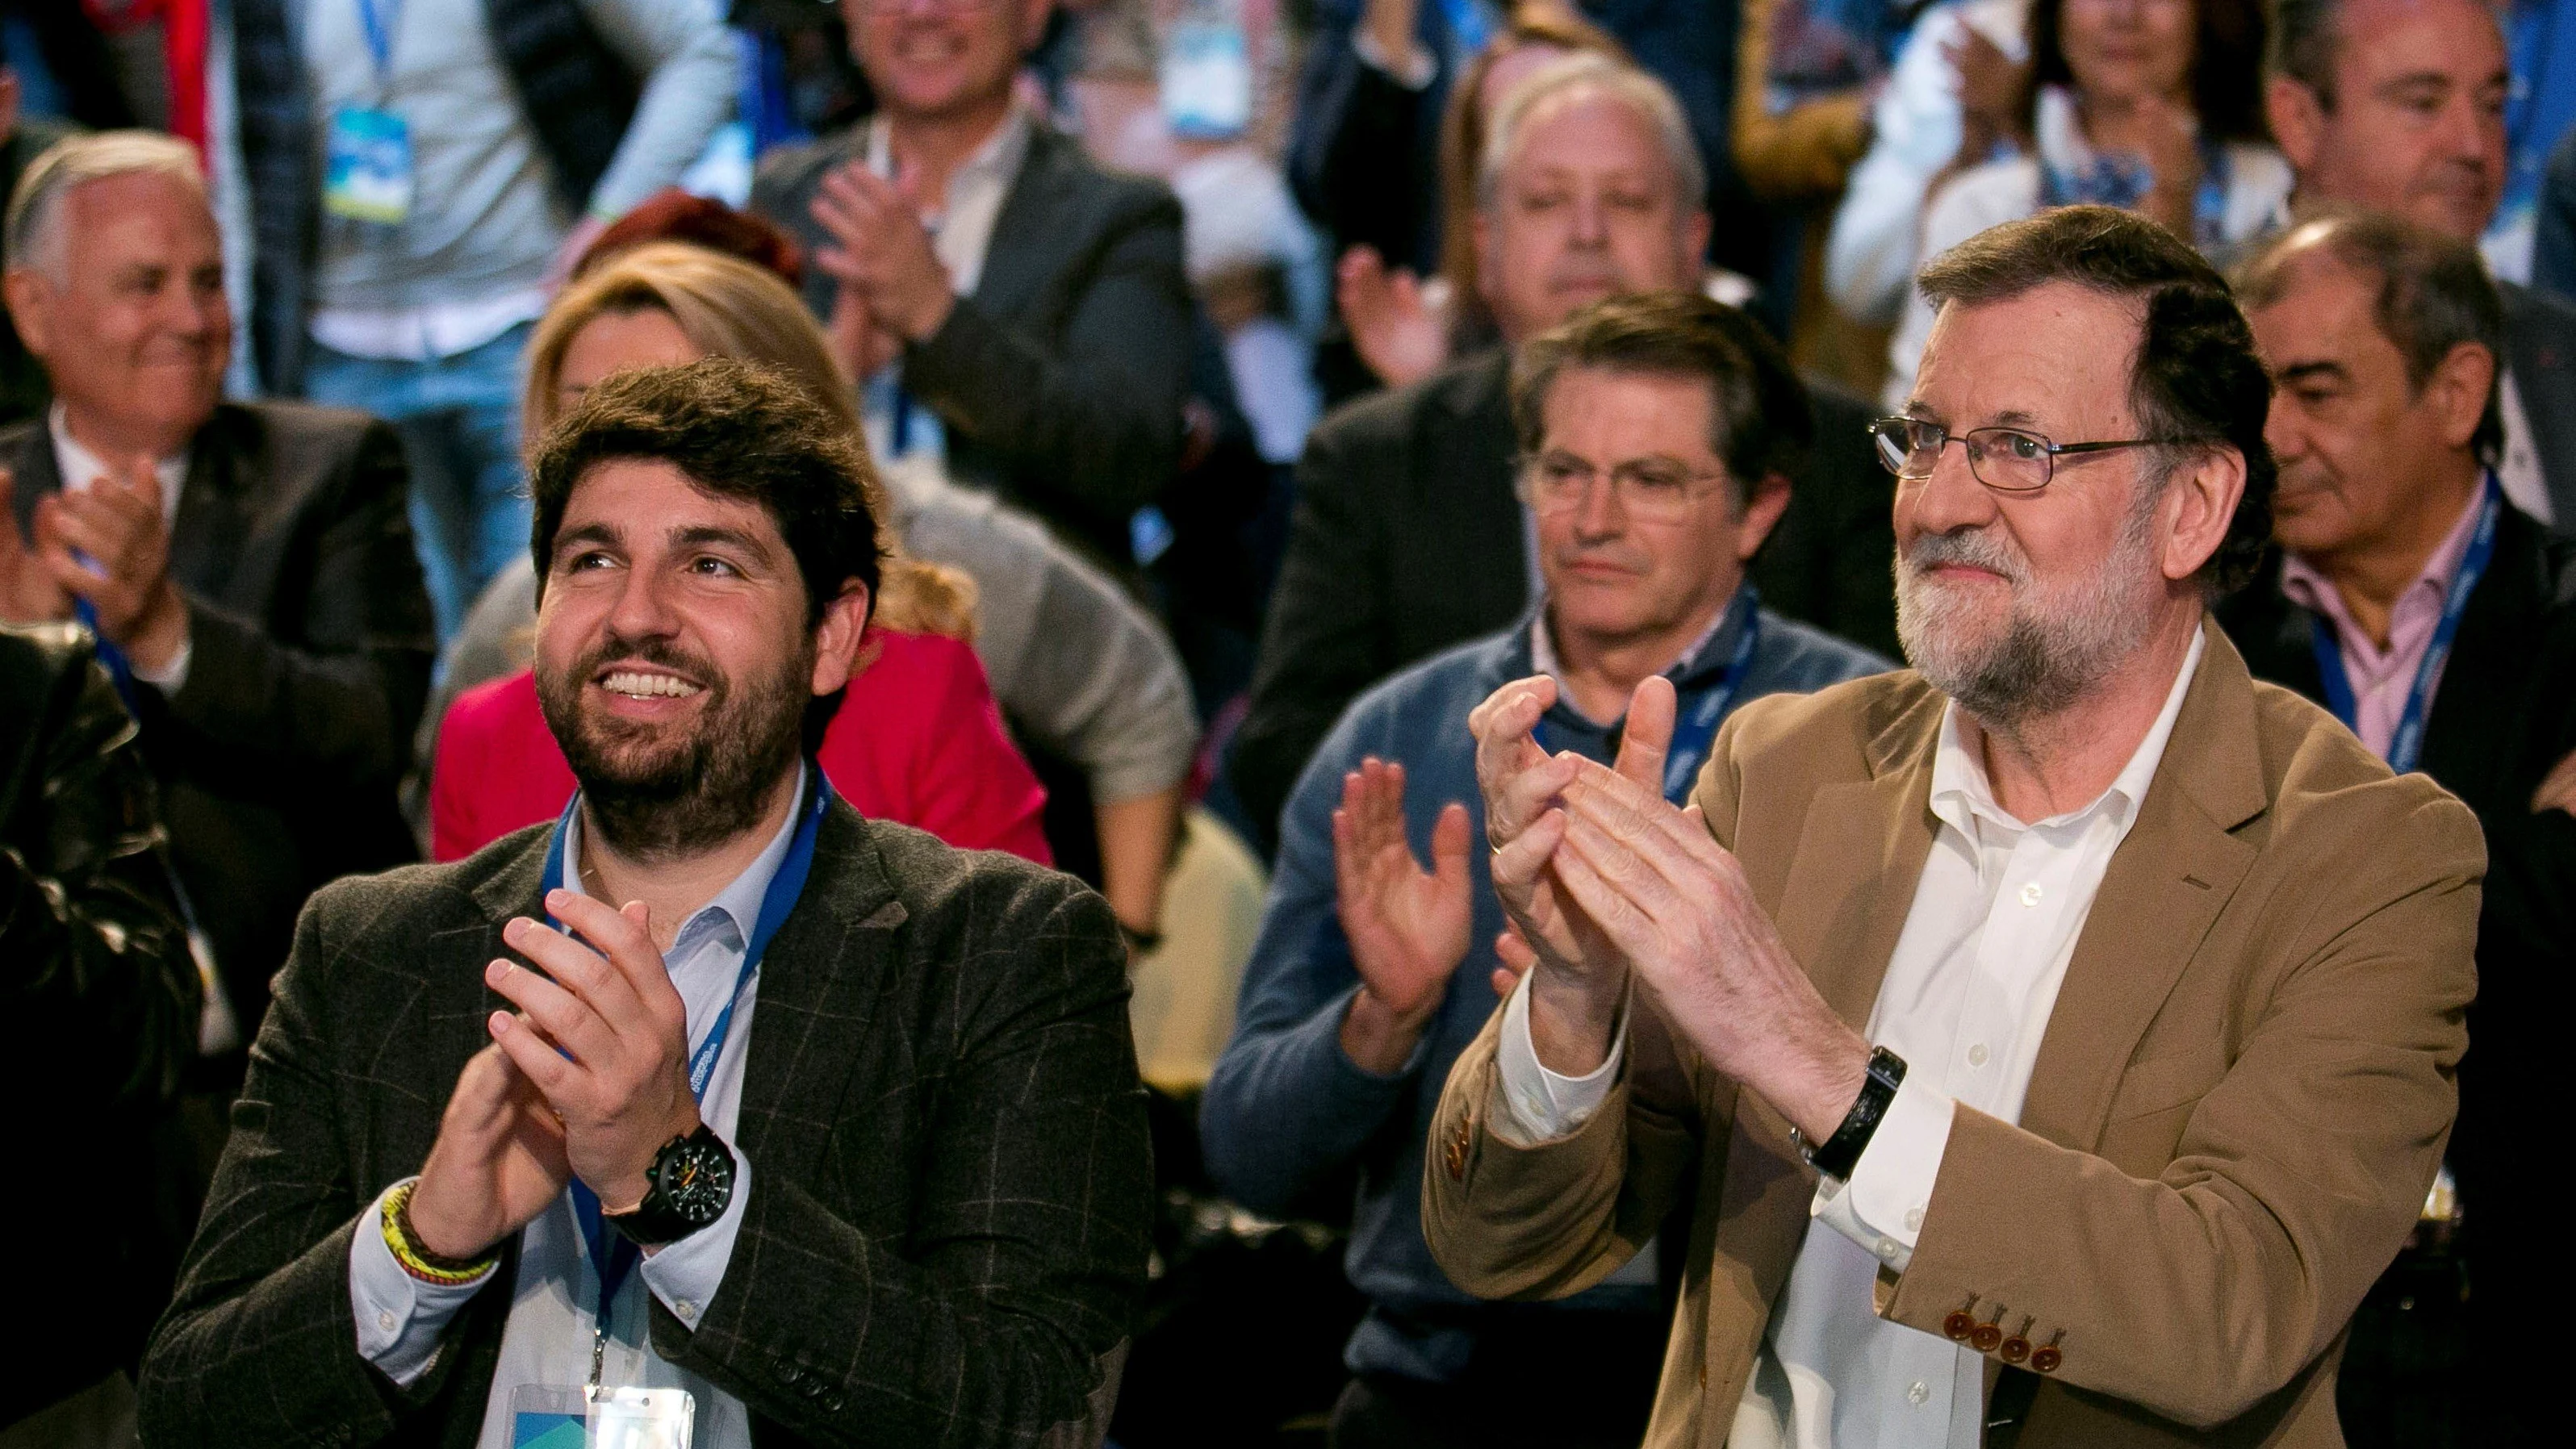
{"type": "Point", "coordinates": [656, 1221]}
{"type": "Point", "coordinates": [1837, 1155]}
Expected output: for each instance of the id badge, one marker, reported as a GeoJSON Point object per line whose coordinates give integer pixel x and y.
{"type": "Point", "coordinates": [601, 1418]}
{"type": "Point", "coordinates": [366, 168]}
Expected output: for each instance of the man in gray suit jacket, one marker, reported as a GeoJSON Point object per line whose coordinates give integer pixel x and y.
{"type": "Point", "coordinates": [1012, 302]}
{"type": "Point", "coordinates": [829, 1134]}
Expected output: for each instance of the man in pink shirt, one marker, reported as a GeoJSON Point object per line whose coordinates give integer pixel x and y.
{"type": "Point", "coordinates": [2438, 621]}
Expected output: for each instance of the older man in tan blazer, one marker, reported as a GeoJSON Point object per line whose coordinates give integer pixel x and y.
{"type": "Point", "coordinates": [2047, 1046]}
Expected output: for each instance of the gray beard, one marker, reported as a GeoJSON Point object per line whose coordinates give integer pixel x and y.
{"type": "Point", "coordinates": [2055, 647]}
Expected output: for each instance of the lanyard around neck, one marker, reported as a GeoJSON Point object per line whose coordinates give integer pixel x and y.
{"type": "Point", "coordinates": [2406, 746]}
{"type": "Point", "coordinates": [612, 1257]}
{"type": "Point", "coordinates": [1696, 733]}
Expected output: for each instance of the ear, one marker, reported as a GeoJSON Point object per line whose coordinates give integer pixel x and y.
{"type": "Point", "coordinates": [1764, 502]}
{"type": "Point", "coordinates": [28, 295]}
{"type": "Point", "coordinates": [2298, 121]}
{"type": "Point", "coordinates": [2458, 389]}
{"type": "Point", "coordinates": [2199, 503]}
{"type": "Point", "coordinates": [837, 637]}
{"type": "Point", "coordinates": [1694, 248]}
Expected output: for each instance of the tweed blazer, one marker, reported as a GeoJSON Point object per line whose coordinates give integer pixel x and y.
{"type": "Point", "coordinates": [2240, 1099]}
{"type": "Point", "coordinates": [943, 1242]}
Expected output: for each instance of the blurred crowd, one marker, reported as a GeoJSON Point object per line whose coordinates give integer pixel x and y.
{"type": "Point", "coordinates": [1230, 381]}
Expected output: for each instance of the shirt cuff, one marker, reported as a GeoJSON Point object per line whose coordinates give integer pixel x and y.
{"type": "Point", "coordinates": [171, 676]}
{"type": "Point", "coordinates": [1539, 1105]}
{"type": "Point", "coordinates": [685, 1275]}
{"type": "Point", "coordinates": [401, 1319]}
{"type": "Point", "coordinates": [1882, 1206]}
{"type": "Point", "coordinates": [1412, 70]}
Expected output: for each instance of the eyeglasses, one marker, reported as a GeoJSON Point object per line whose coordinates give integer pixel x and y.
{"type": "Point", "coordinates": [1649, 490]}
{"type": "Point", "coordinates": [2008, 460]}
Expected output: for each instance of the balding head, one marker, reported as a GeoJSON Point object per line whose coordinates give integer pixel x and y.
{"type": "Point", "coordinates": [2393, 104]}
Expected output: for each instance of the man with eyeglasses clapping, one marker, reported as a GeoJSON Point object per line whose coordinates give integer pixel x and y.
{"type": "Point", "coordinates": [1657, 434]}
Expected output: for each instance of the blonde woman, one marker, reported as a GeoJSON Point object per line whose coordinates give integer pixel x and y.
{"type": "Point", "coordinates": [1081, 671]}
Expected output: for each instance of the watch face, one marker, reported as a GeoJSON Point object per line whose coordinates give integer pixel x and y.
{"type": "Point", "coordinates": [694, 1179]}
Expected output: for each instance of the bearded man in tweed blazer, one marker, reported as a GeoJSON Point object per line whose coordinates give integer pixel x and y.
{"type": "Point", "coordinates": [832, 1133]}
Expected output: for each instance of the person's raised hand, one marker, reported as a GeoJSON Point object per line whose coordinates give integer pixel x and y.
{"type": "Point", "coordinates": [605, 1039]}
{"type": "Point", "coordinates": [2170, 145]}
{"type": "Point", "coordinates": [880, 247]}
{"type": "Point", "coordinates": [28, 593]}
{"type": "Point", "coordinates": [1398, 324]}
{"type": "Point", "coordinates": [1681, 913]}
{"type": "Point", "coordinates": [1407, 926]}
{"type": "Point", "coordinates": [1990, 92]}
{"type": "Point", "coordinates": [110, 544]}
{"type": "Point", "coordinates": [498, 1161]}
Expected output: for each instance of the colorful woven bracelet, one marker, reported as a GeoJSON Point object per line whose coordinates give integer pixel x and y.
{"type": "Point", "coordinates": [418, 1261]}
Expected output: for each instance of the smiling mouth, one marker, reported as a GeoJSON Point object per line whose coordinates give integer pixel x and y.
{"type": "Point", "coordinates": [644, 684]}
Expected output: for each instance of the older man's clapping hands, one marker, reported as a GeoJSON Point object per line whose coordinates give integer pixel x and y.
{"type": "Point", "coordinates": [1606, 879]}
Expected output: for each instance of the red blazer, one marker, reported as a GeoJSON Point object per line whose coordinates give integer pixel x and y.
{"type": "Point", "coordinates": [918, 740]}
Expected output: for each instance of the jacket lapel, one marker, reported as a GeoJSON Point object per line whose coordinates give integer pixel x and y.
{"type": "Point", "coordinates": [207, 533]}
{"type": "Point", "coordinates": [819, 988]}
{"type": "Point", "coordinates": [1018, 259]}
{"type": "Point", "coordinates": [1842, 924]}
{"type": "Point", "coordinates": [33, 472]}
{"type": "Point", "coordinates": [2166, 885]}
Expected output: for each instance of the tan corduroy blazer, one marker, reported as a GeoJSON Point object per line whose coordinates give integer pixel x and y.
{"type": "Point", "coordinates": [2239, 1103]}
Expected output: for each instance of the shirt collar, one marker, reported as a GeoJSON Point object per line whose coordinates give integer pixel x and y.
{"type": "Point", "coordinates": [736, 907]}
{"type": "Point", "coordinates": [2307, 586]}
{"type": "Point", "coordinates": [1962, 795]}
{"type": "Point", "coordinates": [993, 163]}
{"type": "Point", "coordinates": [1716, 642]}
{"type": "Point", "coordinates": [78, 465]}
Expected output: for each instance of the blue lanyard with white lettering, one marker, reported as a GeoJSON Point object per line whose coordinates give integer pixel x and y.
{"type": "Point", "coordinates": [2406, 746]}
{"type": "Point", "coordinates": [1694, 736]}
{"type": "Point", "coordinates": [612, 1256]}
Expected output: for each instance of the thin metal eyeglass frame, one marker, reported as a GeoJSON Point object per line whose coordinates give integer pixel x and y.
{"type": "Point", "coordinates": [1526, 464]}
{"type": "Point", "coordinates": [2048, 458]}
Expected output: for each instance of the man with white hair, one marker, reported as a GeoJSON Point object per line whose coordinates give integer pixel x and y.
{"type": "Point", "coordinates": [1407, 537]}
{"type": "Point", "coordinates": [2054, 1041]}
{"type": "Point", "coordinates": [246, 568]}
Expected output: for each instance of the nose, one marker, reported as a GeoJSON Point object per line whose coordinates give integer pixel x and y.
{"type": "Point", "coordinates": [2465, 132]}
{"type": "Point", "coordinates": [2284, 433]}
{"type": "Point", "coordinates": [1948, 500]}
{"type": "Point", "coordinates": [642, 608]}
{"type": "Point", "coordinates": [1599, 516]}
{"type": "Point", "coordinates": [1591, 219]}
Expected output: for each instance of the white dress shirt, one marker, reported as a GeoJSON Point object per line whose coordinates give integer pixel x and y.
{"type": "Point", "coordinates": [547, 1342]}
{"type": "Point", "coordinates": [1965, 1002]}
{"type": "Point", "coordinates": [79, 468]}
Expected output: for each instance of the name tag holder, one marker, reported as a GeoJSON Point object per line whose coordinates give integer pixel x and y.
{"type": "Point", "coordinates": [543, 1417]}
{"type": "Point", "coordinates": [367, 173]}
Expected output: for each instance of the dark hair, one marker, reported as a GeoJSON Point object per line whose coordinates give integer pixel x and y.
{"type": "Point", "coordinates": [2196, 382]}
{"type": "Point", "coordinates": [1761, 419]}
{"type": "Point", "coordinates": [2305, 36]}
{"type": "Point", "coordinates": [2434, 294]}
{"type": "Point", "coordinates": [671, 214]}
{"type": "Point", "coordinates": [2226, 65]}
{"type": "Point", "coordinates": [736, 429]}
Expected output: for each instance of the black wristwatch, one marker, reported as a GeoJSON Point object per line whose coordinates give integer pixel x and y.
{"type": "Point", "coordinates": [688, 1186]}
{"type": "Point", "coordinates": [1840, 1153]}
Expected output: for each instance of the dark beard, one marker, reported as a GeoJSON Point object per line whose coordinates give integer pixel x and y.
{"type": "Point", "coordinates": [655, 799]}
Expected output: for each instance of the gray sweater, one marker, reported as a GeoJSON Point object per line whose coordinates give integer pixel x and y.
{"type": "Point", "coordinates": [484, 219]}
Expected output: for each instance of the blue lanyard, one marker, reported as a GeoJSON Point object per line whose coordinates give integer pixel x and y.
{"type": "Point", "coordinates": [1695, 735]}
{"type": "Point", "coordinates": [379, 27]}
{"type": "Point", "coordinates": [2407, 745]}
{"type": "Point", "coordinates": [611, 1255]}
